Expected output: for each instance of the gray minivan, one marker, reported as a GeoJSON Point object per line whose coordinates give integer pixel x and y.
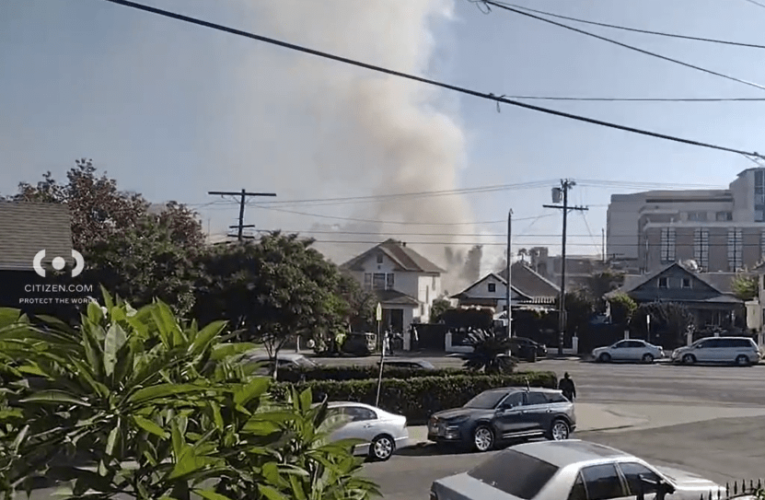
{"type": "Point", "coordinates": [742, 351]}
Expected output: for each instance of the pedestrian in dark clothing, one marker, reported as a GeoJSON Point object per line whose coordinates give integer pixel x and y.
{"type": "Point", "coordinates": [566, 386]}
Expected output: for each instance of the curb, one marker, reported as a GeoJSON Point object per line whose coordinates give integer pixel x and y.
{"type": "Point", "coordinates": [601, 429]}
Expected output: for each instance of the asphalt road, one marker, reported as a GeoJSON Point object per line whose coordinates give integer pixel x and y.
{"type": "Point", "coordinates": [722, 450]}
{"type": "Point", "coordinates": [638, 383]}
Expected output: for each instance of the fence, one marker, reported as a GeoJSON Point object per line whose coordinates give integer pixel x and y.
{"type": "Point", "coordinates": [751, 491]}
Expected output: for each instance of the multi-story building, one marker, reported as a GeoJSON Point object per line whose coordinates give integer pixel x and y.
{"type": "Point", "coordinates": [721, 229]}
{"type": "Point", "coordinates": [579, 268]}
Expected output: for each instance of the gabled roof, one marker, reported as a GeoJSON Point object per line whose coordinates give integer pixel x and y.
{"type": "Point", "coordinates": [497, 277]}
{"type": "Point", "coordinates": [715, 281]}
{"type": "Point", "coordinates": [395, 297]}
{"type": "Point", "coordinates": [28, 227]}
{"type": "Point", "coordinates": [530, 282]}
{"type": "Point", "coordinates": [405, 258]}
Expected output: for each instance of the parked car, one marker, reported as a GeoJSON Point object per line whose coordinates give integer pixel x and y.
{"type": "Point", "coordinates": [292, 360]}
{"type": "Point", "coordinates": [742, 351]}
{"type": "Point", "coordinates": [416, 364]}
{"type": "Point", "coordinates": [382, 432]}
{"type": "Point", "coordinates": [629, 350]}
{"type": "Point", "coordinates": [570, 469]}
{"type": "Point", "coordinates": [359, 344]}
{"type": "Point", "coordinates": [499, 415]}
{"type": "Point", "coordinates": [528, 349]}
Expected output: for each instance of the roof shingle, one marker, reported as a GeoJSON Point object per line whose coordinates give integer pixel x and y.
{"type": "Point", "coordinates": [404, 257]}
{"type": "Point", "coordinates": [28, 227]}
{"type": "Point", "coordinates": [529, 282]}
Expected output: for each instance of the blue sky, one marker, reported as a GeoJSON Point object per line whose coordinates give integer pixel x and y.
{"type": "Point", "coordinates": [174, 110]}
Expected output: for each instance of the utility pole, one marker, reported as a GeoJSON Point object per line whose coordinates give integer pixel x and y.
{"type": "Point", "coordinates": [557, 193]}
{"type": "Point", "coordinates": [243, 194]}
{"type": "Point", "coordinates": [508, 297]}
{"type": "Point", "coordinates": [603, 244]}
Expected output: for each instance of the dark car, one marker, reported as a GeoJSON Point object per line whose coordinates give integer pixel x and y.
{"type": "Point", "coordinates": [499, 415]}
{"type": "Point", "coordinates": [527, 349]}
{"type": "Point", "coordinates": [359, 344]}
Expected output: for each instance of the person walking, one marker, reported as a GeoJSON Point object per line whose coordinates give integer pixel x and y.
{"type": "Point", "coordinates": [567, 387]}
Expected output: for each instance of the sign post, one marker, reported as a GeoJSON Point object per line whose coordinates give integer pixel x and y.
{"type": "Point", "coordinates": [378, 317]}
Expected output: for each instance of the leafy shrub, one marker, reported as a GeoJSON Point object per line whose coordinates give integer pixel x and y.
{"type": "Point", "coordinates": [419, 397]}
{"type": "Point", "coordinates": [490, 352]}
{"type": "Point", "coordinates": [360, 372]}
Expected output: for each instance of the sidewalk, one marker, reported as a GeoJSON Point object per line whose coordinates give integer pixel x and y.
{"type": "Point", "coordinates": [593, 417]}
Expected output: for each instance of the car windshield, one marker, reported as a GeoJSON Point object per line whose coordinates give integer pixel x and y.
{"type": "Point", "coordinates": [486, 400]}
{"type": "Point", "coordinates": [515, 473]}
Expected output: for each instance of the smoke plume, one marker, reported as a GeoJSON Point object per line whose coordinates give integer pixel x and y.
{"type": "Point", "coordinates": [359, 133]}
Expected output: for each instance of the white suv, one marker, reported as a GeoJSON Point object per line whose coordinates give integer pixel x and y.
{"type": "Point", "coordinates": [739, 350]}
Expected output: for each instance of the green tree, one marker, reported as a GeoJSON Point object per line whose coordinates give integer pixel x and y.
{"type": "Point", "coordinates": [276, 289]}
{"type": "Point", "coordinates": [667, 318]}
{"type": "Point", "coordinates": [491, 352]}
{"type": "Point", "coordinates": [622, 308]}
{"type": "Point", "coordinates": [745, 287]}
{"type": "Point", "coordinates": [137, 254]}
{"type": "Point", "coordinates": [141, 386]}
{"type": "Point", "coordinates": [597, 285]}
{"type": "Point", "coordinates": [580, 308]}
{"type": "Point", "coordinates": [439, 307]}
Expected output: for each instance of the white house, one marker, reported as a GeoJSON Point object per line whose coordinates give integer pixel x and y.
{"type": "Point", "coordinates": [405, 282]}
{"type": "Point", "coordinates": [529, 289]}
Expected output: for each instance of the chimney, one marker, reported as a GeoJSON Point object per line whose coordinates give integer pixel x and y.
{"type": "Point", "coordinates": [403, 243]}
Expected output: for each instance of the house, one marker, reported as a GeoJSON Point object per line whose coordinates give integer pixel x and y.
{"type": "Point", "coordinates": [405, 282]}
{"type": "Point", "coordinates": [26, 228]}
{"type": "Point", "coordinates": [529, 289]}
{"type": "Point", "coordinates": [708, 296]}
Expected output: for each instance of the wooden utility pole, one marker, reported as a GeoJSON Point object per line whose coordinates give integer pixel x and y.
{"type": "Point", "coordinates": [509, 295]}
{"type": "Point", "coordinates": [243, 194]}
{"type": "Point", "coordinates": [558, 193]}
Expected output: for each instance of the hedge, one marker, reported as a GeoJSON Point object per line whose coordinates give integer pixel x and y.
{"type": "Point", "coordinates": [419, 397]}
{"type": "Point", "coordinates": [360, 372]}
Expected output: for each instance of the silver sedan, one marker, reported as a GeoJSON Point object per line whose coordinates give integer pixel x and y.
{"type": "Point", "coordinates": [382, 432]}
{"type": "Point", "coordinates": [572, 469]}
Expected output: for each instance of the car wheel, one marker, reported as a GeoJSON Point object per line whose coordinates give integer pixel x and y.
{"type": "Point", "coordinates": [689, 359]}
{"type": "Point", "coordinates": [604, 358]}
{"type": "Point", "coordinates": [559, 430]}
{"type": "Point", "coordinates": [648, 358]}
{"type": "Point", "coordinates": [382, 448]}
{"type": "Point", "coordinates": [742, 361]}
{"type": "Point", "coordinates": [483, 438]}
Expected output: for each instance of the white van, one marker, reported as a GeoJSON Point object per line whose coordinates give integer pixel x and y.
{"type": "Point", "coordinates": [741, 351]}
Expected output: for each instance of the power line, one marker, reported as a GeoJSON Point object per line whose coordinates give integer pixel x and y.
{"type": "Point", "coordinates": [754, 2]}
{"type": "Point", "coordinates": [243, 195]}
{"type": "Point", "coordinates": [451, 235]}
{"type": "Point", "coordinates": [626, 46]}
{"type": "Point", "coordinates": [635, 30]}
{"type": "Point", "coordinates": [637, 99]}
{"type": "Point", "coordinates": [474, 93]}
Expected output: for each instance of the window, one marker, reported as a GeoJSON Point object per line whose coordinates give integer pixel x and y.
{"type": "Point", "coordinates": [535, 398]}
{"type": "Point", "coordinates": [620, 345]}
{"type": "Point", "coordinates": [668, 245]}
{"type": "Point", "coordinates": [389, 281]}
{"type": "Point", "coordinates": [555, 397]}
{"type": "Point", "coordinates": [686, 282]}
{"type": "Point", "coordinates": [663, 282]}
{"type": "Point", "coordinates": [379, 258]}
{"type": "Point", "coordinates": [735, 249]}
{"type": "Point", "coordinates": [359, 414]}
{"type": "Point", "coordinates": [632, 344]}
{"type": "Point", "coordinates": [513, 400]}
{"type": "Point", "coordinates": [762, 245]}
{"type": "Point", "coordinates": [367, 281]}
{"type": "Point", "coordinates": [378, 281]}
{"type": "Point", "coordinates": [602, 482]}
{"type": "Point", "coordinates": [632, 472]}
{"type": "Point", "coordinates": [577, 491]}
{"type": "Point", "coordinates": [697, 216]}
{"type": "Point", "coordinates": [515, 473]}
{"type": "Point", "coordinates": [724, 216]}
{"type": "Point", "coordinates": [701, 247]}
{"type": "Point", "coordinates": [433, 283]}
{"type": "Point", "coordinates": [427, 294]}
{"type": "Point", "coordinates": [492, 287]}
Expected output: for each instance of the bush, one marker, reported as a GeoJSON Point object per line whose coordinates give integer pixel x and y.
{"type": "Point", "coordinates": [419, 397]}
{"type": "Point", "coordinates": [359, 372]}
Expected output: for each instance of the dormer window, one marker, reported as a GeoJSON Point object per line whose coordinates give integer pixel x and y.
{"type": "Point", "coordinates": [379, 258]}
{"type": "Point", "coordinates": [686, 282]}
{"type": "Point", "coordinates": [663, 283]}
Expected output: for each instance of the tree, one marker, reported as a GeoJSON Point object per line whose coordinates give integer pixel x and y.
{"type": "Point", "coordinates": [668, 319]}
{"type": "Point", "coordinates": [439, 307]}
{"type": "Point", "coordinates": [745, 287]}
{"type": "Point", "coordinates": [142, 386]}
{"type": "Point", "coordinates": [491, 352]}
{"type": "Point", "coordinates": [580, 308]}
{"type": "Point", "coordinates": [597, 285]}
{"type": "Point", "coordinates": [137, 254]}
{"type": "Point", "coordinates": [622, 308]}
{"type": "Point", "coordinates": [277, 288]}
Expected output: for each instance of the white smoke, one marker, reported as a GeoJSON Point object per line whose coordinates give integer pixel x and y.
{"type": "Point", "coordinates": [330, 129]}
